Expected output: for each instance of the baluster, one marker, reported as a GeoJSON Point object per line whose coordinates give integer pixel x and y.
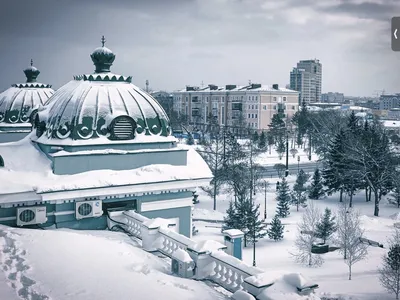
{"type": "Point", "coordinates": [232, 280]}
{"type": "Point", "coordinates": [216, 270]}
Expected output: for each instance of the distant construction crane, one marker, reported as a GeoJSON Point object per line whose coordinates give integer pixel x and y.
{"type": "Point", "coordinates": [379, 93]}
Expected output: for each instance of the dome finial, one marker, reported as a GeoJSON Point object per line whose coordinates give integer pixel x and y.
{"type": "Point", "coordinates": [102, 58]}
{"type": "Point", "coordinates": [31, 73]}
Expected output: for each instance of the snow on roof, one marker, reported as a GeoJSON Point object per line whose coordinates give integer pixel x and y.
{"type": "Point", "coordinates": [28, 169]}
{"type": "Point", "coordinates": [182, 256]}
{"type": "Point", "coordinates": [387, 123]}
{"type": "Point", "coordinates": [105, 266]}
{"type": "Point", "coordinates": [207, 246]}
{"type": "Point", "coordinates": [233, 232]}
{"type": "Point", "coordinates": [238, 88]}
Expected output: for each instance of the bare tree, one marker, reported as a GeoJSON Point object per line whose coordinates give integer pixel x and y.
{"type": "Point", "coordinates": [349, 234]}
{"type": "Point", "coordinates": [306, 237]}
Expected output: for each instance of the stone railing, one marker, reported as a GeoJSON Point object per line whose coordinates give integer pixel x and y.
{"type": "Point", "coordinates": [130, 221]}
{"type": "Point", "coordinates": [169, 241]}
{"type": "Point", "coordinates": [230, 272]}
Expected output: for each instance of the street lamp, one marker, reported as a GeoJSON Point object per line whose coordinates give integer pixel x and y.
{"type": "Point", "coordinates": [265, 200]}
{"type": "Point", "coordinates": [298, 163]}
{"type": "Point", "coordinates": [287, 154]}
{"type": "Point", "coordinates": [254, 243]}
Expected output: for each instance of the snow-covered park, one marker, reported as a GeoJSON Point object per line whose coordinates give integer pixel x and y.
{"type": "Point", "coordinates": [332, 276]}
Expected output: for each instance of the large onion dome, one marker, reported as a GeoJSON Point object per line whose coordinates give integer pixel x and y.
{"type": "Point", "coordinates": [21, 101]}
{"type": "Point", "coordinates": [100, 105]}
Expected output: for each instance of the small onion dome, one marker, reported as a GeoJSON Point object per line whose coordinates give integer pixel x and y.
{"type": "Point", "coordinates": [20, 102]}
{"type": "Point", "coordinates": [101, 105]}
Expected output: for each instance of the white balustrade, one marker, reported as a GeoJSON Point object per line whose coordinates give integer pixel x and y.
{"type": "Point", "coordinates": [228, 273]}
{"type": "Point", "coordinates": [169, 241]}
{"type": "Point", "coordinates": [133, 223]}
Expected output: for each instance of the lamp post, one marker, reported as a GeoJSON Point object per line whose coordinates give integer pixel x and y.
{"type": "Point", "coordinates": [254, 243]}
{"type": "Point", "coordinates": [287, 154]}
{"type": "Point", "coordinates": [265, 200]}
{"type": "Point", "coordinates": [298, 163]}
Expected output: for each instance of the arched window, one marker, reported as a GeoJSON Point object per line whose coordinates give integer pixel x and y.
{"type": "Point", "coordinates": [1, 162]}
{"type": "Point", "coordinates": [122, 128]}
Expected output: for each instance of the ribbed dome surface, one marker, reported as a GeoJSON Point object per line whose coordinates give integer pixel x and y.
{"type": "Point", "coordinates": [18, 102]}
{"type": "Point", "coordinates": [85, 107]}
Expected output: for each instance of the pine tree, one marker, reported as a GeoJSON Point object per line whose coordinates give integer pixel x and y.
{"type": "Point", "coordinates": [326, 226]}
{"type": "Point", "coordinates": [316, 190]}
{"type": "Point", "coordinates": [280, 147]}
{"type": "Point", "coordinates": [283, 199]}
{"type": "Point", "coordinates": [232, 219]}
{"type": "Point", "coordinates": [262, 141]}
{"type": "Point", "coordinates": [277, 127]}
{"type": "Point", "coordinates": [190, 139]}
{"type": "Point", "coordinates": [255, 137]}
{"type": "Point", "coordinates": [275, 231]}
{"type": "Point", "coordinates": [396, 196]}
{"type": "Point", "coordinates": [299, 194]}
{"type": "Point", "coordinates": [389, 274]}
{"type": "Point", "coordinates": [255, 227]}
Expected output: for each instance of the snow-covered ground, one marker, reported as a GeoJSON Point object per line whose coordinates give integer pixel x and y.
{"type": "Point", "coordinates": [80, 265]}
{"type": "Point", "coordinates": [332, 277]}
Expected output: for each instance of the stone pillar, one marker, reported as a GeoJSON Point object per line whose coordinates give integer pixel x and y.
{"type": "Point", "coordinates": [234, 242]}
{"type": "Point", "coordinates": [150, 234]}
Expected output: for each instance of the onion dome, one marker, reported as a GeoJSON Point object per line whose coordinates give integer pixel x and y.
{"type": "Point", "coordinates": [100, 105]}
{"type": "Point", "coordinates": [20, 102]}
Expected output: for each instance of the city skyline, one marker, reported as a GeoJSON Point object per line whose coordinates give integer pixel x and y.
{"type": "Point", "coordinates": [177, 43]}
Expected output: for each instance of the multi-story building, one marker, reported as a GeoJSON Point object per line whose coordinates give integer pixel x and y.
{"type": "Point", "coordinates": [387, 102]}
{"type": "Point", "coordinates": [332, 98]}
{"type": "Point", "coordinates": [232, 105]}
{"type": "Point", "coordinates": [306, 78]}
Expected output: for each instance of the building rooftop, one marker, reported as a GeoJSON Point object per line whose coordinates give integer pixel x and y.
{"type": "Point", "coordinates": [21, 101]}
{"type": "Point", "coordinates": [236, 88]}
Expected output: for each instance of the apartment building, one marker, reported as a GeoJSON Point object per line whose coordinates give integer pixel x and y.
{"type": "Point", "coordinates": [387, 102]}
{"type": "Point", "coordinates": [306, 78]}
{"type": "Point", "coordinates": [255, 104]}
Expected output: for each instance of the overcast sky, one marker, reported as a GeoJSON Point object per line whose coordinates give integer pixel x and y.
{"type": "Point", "coordinates": [174, 43]}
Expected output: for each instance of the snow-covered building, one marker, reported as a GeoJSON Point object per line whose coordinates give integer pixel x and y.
{"type": "Point", "coordinates": [100, 144]}
{"type": "Point", "coordinates": [20, 103]}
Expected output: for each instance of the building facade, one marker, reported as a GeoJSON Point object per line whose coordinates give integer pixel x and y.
{"type": "Point", "coordinates": [253, 105]}
{"type": "Point", "coordinates": [332, 98]}
{"type": "Point", "coordinates": [306, 78]}
{"type": "Point", "coordinates": [387, 102]}
{"type": "Point", "coordinates": [100, 144]}
{"type": "Point", "coordinates": [20, 103]}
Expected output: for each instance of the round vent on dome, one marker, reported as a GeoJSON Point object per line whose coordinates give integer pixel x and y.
{"type": "Point", "coordinates": [122, 128]}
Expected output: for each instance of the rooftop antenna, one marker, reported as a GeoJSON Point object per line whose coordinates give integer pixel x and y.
{"type": "Point", "coordinates": [103, 41]}
{"type": "Point", "coordinates": [147, 86]}
{"type": "Point", "coordinates": [31, 62]}
{"type": "Point", "coordinates": [202, 84]}
{"type": "Point", "coordinates": [249, 81]}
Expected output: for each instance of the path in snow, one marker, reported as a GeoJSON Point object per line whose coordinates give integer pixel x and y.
{"type": "Point", "coordinates": [14, 267]}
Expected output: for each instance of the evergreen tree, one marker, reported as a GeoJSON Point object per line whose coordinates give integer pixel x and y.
{"type": "Point", "coordinates": [270, 140]}
{"type": "Point", "coordinates": [283, 199]}
{"type": "Point", "coordinates": [299, 194]}
{"type": "Point", "coordinates": [255, 137]}
{"type": "Point", "coordinates": [232, 219]}
{"type": "Point", "coordinates": [262, 141]}
{"type": "Point", "coordinates": [389, 274]}
{"type": "Point", "coordinates": [256, 228]}
{"type": "Point", "coordinates": [275, 231]}
{"type": "Point", "coordinates": [326, 226]}
{"type": "Point", "coordinates": [277, 127]}
{"type": "Point", "coordinates": [190, 139]}
{"type": "Point", "coordinates": [396, 196]}
{"type": "Point", "coordinates": [316, 189]}
{"type": "Point", "coordinates": [281, 147]}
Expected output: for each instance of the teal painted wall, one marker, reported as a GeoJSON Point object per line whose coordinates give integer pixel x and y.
{"type": "Point", "coordinates": [7, 137]}
{"type": "Point", "coordinates": [63, 165]}
{"type": "Point", "coordinates": [119, 146]}
{"type": "Point", "coordinates": [183, 213]}
{"type": "Point", "coordinates": [70, 221]}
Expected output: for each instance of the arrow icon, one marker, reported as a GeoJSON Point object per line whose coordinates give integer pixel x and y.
{"type": "Point", "coordinates": [395, 33]}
